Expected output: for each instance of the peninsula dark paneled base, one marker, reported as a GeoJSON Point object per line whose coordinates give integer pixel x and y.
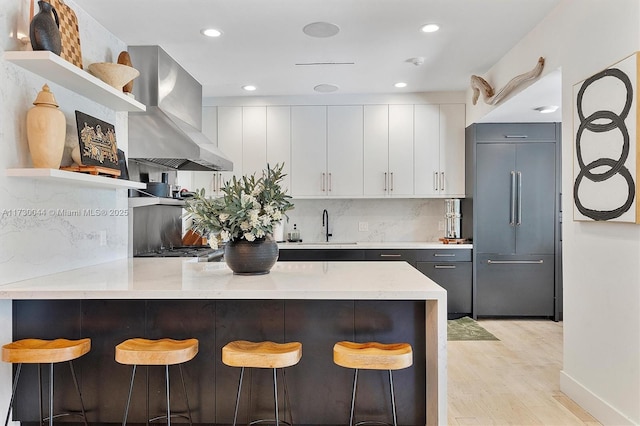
{"type": "Point", "coordinates": [320, 391]}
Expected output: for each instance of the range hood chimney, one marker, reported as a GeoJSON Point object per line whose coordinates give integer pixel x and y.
{"type": "Point", "coordinates": [169, 132]}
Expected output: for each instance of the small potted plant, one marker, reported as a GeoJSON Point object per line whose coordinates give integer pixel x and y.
{"type": "Point", "coordinates": [243, 219]}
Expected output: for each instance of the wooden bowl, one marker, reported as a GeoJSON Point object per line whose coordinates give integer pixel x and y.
{"type": "Point", "coordinates": [115, 75]}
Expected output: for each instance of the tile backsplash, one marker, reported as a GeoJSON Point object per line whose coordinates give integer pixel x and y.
{"type": "Point", "coordinates": [387, 220]}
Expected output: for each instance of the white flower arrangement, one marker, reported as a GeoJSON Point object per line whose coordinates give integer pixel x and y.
{"type": "Point", "coordinates": [249, 209]}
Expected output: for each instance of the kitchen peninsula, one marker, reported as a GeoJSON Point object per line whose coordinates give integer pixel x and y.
{"type": "Point", "coordinates": [316, 303]}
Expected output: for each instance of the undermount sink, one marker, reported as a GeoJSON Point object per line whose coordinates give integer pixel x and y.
{"type": "Point", "coordinates": [327, 243]}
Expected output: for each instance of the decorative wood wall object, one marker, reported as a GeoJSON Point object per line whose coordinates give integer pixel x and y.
{"type": "Point", "coordinates": [605, 126]}
{"type": "Point", "coordinates": [490, 97]}
{"type": "Point", "coordinates": [69, 33]}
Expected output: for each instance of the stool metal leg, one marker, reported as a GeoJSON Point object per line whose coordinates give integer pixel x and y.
{"type": "Point", "coordinates": [186, 396]}
{"type": "Point", "coordinates": [393, 399]}
{"type": "Point", "coordinates": [13, 393]}
{"type": "Point", "coordinates": [166, 367]}
{"type": "Point", "coordinates": [40, 406]}
{"type": "Point", "coordinates": [353, 396]}
{"type": "Point", "coordinates": [51, 394]}
{"type": "Point", "coordinates": [126, 410]}
{"type": "Point", "coordinates": [275, 395]}
{"type": "Point", "coordinates": [75, 382]}
{"type": "Point", "coordinates": [235, 413]}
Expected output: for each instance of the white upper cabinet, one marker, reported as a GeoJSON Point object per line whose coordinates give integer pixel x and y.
{"type": "Point", "coordinates": [279, 140]}
{"type": "Point", "coordinates": [230, 142]}
{"type": "Point", "coordinates": [452, 149]}
{"type": "Point", "coordinates": [439, 150]}
{"type": "Point", "coordinates": [254, 140]}
{"type": "Point", "coordinates": [308, 151]}
{"type": "Point", "coordinates": [388, 150]}
{"type": "Point", "coordinates": [349, 151]}
{"type": "Point", "coordinates": [344, 176]}
{"type": "Point", "coordinates": [401, 150]}
{"type": "Point", "coordinates": [427, 150]}
{"type": "Point", "coordinates": [376, 150]}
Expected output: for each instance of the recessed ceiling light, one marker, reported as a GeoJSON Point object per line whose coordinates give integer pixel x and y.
{"type": "Point", "coordinates": [325, 88]}
{"type": "Point", "coordinates": [430, 28]}
{"type": "Point", "coordinates": [211, 32]}
{"type": "Point", "coordinates": [249, 87]}
{"type": "Point", "coordinates": [321, 29]}
{"type": "Point", "coordinates": [547, 109]}
{"type": "Point", "coordinates": [400, 85]}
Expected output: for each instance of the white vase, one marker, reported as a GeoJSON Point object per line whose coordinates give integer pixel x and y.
{"type": "Point", "coordinates": [46, 130]}
{"type": "Point", "coordinates": [278, 232]}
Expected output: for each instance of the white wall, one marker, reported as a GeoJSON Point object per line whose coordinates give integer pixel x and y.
{"type": "Point", "coordinates": [33, 246]}
{"type": "Point", "coordinates": [601, 260]}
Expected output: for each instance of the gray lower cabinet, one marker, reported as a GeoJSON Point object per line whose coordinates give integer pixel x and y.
{"type": "Point", "coordinates": [452, 270]}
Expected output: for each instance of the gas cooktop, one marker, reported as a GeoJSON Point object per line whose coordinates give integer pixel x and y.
{"type": "Point", "coordinates": [203, 253]}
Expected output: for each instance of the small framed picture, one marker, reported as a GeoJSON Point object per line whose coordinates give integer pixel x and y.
{"type": "Point", "coordinates": [97, 140]}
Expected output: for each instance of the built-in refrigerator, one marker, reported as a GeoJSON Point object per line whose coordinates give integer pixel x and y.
{"type": "Point", "coordinates": [515, 209]}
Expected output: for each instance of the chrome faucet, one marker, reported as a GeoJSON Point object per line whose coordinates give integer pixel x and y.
{"type": "Point", "coordinates": [325, 223]}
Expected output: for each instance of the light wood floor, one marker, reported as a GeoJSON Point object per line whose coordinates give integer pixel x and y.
{"type": "Point", "coordinates": [514, 381]}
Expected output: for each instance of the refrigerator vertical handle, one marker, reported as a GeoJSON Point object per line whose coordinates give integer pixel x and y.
{"type": "Point", "coordinates": [512, 210]}
{"type": "Point", "coordinates": [519, 217]}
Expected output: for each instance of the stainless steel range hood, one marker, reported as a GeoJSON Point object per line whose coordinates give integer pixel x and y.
{"type": "Point", "coordinates": [169, 132]}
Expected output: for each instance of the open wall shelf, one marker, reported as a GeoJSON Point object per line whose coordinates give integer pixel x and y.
{"type": "Point", "coordinates": [81, 179]}
{"type": "Point", "coordinates": [56, 70]}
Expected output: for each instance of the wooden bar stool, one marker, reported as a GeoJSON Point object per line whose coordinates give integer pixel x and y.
{"type": "Point", "coordinates": [373, 356]}
{"type": "Point", "coordinates": [244, 354]}
{"type": "Point", "coordinates": [37, 351]}
{"type": "Point", "coordinates": [157, 352]}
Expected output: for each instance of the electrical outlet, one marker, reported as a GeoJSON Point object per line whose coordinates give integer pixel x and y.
{"type": "Point", "coordinates": [363, 226]}
{"type": "Point", "coordinates": [103, 238]}
{"type": "Point", "coordinates": [441, 225]}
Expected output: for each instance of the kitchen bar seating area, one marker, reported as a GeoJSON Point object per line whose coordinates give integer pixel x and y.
{"type": "Point", "coordinates": [314, 303]}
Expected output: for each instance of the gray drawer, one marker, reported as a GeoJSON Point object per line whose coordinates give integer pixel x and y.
{"type": "Point", "coordinates": [443, 255]}
{"type": "Point", "coordinates": [391, 255]}
{"type": "Point", "coordinates": [515, 132]}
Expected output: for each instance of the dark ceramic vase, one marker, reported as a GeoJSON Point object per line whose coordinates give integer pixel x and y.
{"type": "Point", "coordinates": [44, 29]}
{"type": "Point", "coordinates": [251, 257]}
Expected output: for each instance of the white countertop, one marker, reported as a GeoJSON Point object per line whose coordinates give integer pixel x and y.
{"type": "Point", "coordinates": [373, 245]}
{"type": "Point", "coordinates": [176, 278]}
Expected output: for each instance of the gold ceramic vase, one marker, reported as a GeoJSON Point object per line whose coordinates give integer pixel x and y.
{"type": "Point", "coordinates": [46, 130]}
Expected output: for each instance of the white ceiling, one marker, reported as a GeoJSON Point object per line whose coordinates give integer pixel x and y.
{"type": "Point", "coordinates": [263, 40]}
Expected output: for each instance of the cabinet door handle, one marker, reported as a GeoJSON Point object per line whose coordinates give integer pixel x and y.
{"type": "Point", "coordinates": [443, 255]}
{"type": "Point", "coordinates": [442, 181]}
{"type": "Point", "coordinates": [385, 181]}
{"type": "Point", "coordinates": [516, 136]}
{"type": "Point", "coordinates": [323, 180]}
{"type": "Point", "coordinates": [519, 217]}
{"type": "Point", "coordinates": [390, 255]}
{"type": "Point", "coordinates": [329, 182]}
{"type": "Point", "coordinates": [515, 262]}
{"type": "Point", "coordinates": [435, 181]}
{"type": "Point", "coordinates": [512, 211]}
{"type": "Point", "coordinates": [444, 267]}
{"type": "Point", "coordinates": [391, 181]}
